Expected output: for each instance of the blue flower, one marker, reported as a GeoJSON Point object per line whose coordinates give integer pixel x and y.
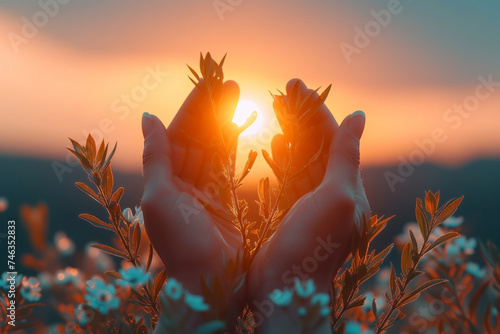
{"type": "Point", "coordinates": [453, 222]}
{"type": "Point", "coordinates": [306, 289]}
{"type": "Point", "coordinates": [173, 289]}
{"type": "Point", "coordinates": [133, 277]}
{"type": "Point", "coordinates": [468, 246]}
{"type": "Point", "coordinates": [302, 311]}
{"type": "Point", "coordinates": [367, 306]}
{"type": "Point", "coordinates": [5, 284]}
{"type": "Point", "coordinates": [30, 289]}
{"type": "Point", "coordinates": [352, 327]}
{"type": "Point", "coordinates": [323, 300]}
{"type": "Point", "coordinates": [100, 296]}
{"type": "Point", "coordinates": [196, 303]}
{"type": "Point", "coordinates": [83, 316]}
{"type": "Point", "coordinates": [461, 245]}
{"type": "Point", "coordinates": [475, 270]}
{"type": "Point", "coordinates": [281, 297]}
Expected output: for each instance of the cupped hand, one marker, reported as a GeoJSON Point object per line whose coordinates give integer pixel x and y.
{"type": "Point", "coordinates": [313, 240]}
{"type": "Point", "coordinates": [177, 172]}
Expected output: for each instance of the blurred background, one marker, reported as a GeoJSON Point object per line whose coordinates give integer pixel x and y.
{"type": "Point", "coordinates": [426, 74]}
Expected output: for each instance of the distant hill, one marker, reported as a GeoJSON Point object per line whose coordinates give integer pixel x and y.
{"type": "Point", "coordinates": [27, 180]}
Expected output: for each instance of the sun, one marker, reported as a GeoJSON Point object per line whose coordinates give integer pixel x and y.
{"type": "Point", "coordinates": [243, 111]}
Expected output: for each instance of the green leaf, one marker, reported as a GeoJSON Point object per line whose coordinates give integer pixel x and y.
{"type": "Point", "coordinates": [95, 221]}
{"type": "Point", "coordinates": [448, 210]}
{"type": "Point", "coordinates": [274, 166]}
{"type": "Point", "coordinates": [374, 308]}
{"type": "Point", "coordinates": [91, 149]}
{"type": "Point", "coordinates": [86, 189]}
{"type": "Point", "coordinates": [137, 238]}
{"type": "Point", "coordinates": [423, 287]}
{"type": "Point", "coordinates": [442, 239]}
{"type": "Point", "coordinates": [150, 258]}
{"type": "Point", "coordinates": [430, 202]}
{"type": "Point", "coordinates": [358, 302]}
{"type": "Point", "coordinates": [392, 281]}
{"type": "Point", "coordinates": [476, 297]}
{"type": "Point", "coordinates": [111, 250]}
{"type": "Point", "coordinates": [421, 219]}
{"type": "Point", "coordinates": [413, 241]}
{"type": "Point", "coordinates": [414, 274]}
{"type": "Point", "coordinates": [406, 260]}
{"type": "Point", "coordinates": [158, 283]}
{"type": "Point", "coordinates": [117, 196]}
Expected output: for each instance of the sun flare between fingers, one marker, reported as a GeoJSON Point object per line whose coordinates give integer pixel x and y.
{"type": "Point", "coordinates": [243, 111]}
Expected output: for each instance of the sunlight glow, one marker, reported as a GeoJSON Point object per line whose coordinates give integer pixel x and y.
{"type": "Point", "coordinates": [243, 111]}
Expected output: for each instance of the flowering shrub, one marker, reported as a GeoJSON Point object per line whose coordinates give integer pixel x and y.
{"type": "Point", "coordinates": [92, 296]}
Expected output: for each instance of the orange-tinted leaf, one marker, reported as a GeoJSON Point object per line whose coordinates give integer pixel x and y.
{"type": "Point", "coordinates": [442, 239]}
{"type": "Point", "coordinates": [95, 221]}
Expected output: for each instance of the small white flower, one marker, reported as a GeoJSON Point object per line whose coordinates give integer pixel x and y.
{"type": "Point", "coordinates": [306, 289]}
{"type": "Point", "coordinates": [173, 289]}
{"type": "Point", "coordinates": [64, 245]}
{"type": "Point", "coordinates": [196, 302]}
{"type": "Point", "coordinates": [302, 311]}
{"type": "Point", "coordinates": [137, 217]}
{"type": "Point", "coordinates": [281, 298]}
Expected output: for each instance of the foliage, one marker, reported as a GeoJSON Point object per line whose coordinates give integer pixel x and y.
{"type": "Point", "coordinates": [135, 297]}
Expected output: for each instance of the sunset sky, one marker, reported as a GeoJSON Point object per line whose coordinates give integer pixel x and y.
{"type": "Point", "coordinates": [70, 74]}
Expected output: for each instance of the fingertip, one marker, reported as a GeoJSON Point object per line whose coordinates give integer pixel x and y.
{"type": "Point", "coordinates": [231, 96]}
{"type": "Point", "coordinates": [291, 83]}
{"type": "Point", "coordinates": [147, 124]}
{"type": "Point", "coordinates": [356, 123]}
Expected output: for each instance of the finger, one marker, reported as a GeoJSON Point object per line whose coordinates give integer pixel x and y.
{"type": "Point", "coordinates": [230, 97]}
{"type": "Point", "coordinates": [343, 162]}
{"type": "Point", "coordinates": [323, 115]}
{"type": "Point", "coordinates": [157, 167]}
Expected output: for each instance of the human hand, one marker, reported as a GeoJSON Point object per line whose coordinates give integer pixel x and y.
{"type": "Point", "coordinates": [313, 240]}
{"type": "Point", "coordinates": [177, 166]}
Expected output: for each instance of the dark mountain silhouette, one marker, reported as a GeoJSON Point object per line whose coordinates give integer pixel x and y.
{"type": "Point", "coordinates": [29, 181]}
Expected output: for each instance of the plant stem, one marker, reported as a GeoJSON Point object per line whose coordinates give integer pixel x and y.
{"type": "Point", "coordinates": [268, 221]}
{"type": "Point", "coordinates": [401, 294]}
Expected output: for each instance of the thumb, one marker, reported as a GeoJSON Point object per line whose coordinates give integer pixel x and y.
{"type": "Point", "coordinates": [157, 166]}
{"type": "Point", "coordinates": [343, 161]}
